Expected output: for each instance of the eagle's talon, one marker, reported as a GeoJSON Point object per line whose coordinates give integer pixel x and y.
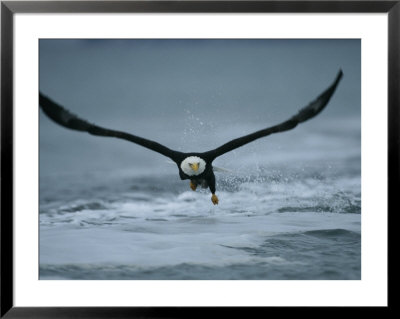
{"type": "Point", "coordinates": [193, 186]}
{"type": "Point", "coordinates": [214, 199]}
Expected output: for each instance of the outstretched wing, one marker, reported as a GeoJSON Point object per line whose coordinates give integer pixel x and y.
{"type": "Point", "coordinates": [65, 118]}
{"type": "Point", "coordinates": [303, 115]}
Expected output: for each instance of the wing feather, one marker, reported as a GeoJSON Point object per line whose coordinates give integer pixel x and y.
{"type": "Point", "coordinates": [306, 113]}
{"type": "Point", "coordinates": [69, 120]}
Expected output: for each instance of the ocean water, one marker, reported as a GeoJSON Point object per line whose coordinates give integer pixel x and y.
{"type": "Point", "coordinates": [285, 213]}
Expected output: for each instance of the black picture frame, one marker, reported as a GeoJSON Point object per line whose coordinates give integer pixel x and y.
{"type": "Point", "coordinates": [9, 8]}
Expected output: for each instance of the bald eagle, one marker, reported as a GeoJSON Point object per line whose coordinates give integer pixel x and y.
{"type": "Point", "coordinates": [196, 167]}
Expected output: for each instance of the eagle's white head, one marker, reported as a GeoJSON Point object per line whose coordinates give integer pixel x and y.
{"type": "Point", "coordinates": [193, 165]}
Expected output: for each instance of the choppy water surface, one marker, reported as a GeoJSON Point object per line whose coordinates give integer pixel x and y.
{"type": "Point", "coordinates": [277, 223]}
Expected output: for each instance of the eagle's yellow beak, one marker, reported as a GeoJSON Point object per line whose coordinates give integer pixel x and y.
{"type": "Point", "coordinates": [194, 166]}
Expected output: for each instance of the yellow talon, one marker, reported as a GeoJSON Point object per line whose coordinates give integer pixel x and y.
{"type": "Point", "coordinates": [193, 186]}
{"type": "Point", "coordinates": [214, 199]}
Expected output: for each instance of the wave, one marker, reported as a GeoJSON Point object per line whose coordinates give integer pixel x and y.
{"type": "Point", "coordinates": [342, 234]}
{"type": "Point", "coordinates": [259, 194]}
{"type": "Point", "coordinates": [251, 200]}
{"type": "Point", "coordinates": [184, 271]}
{"type": "Point", "coordinates": [286, 257]}
{"type": "Point", "coordinates": [267, 226]}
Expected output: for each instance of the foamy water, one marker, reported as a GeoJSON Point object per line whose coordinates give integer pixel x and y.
{"type": "Point", "coordinates": [284, 226]}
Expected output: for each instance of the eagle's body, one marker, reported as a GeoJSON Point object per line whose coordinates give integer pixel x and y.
{"type": "Point", "coordinates": [197, 167]}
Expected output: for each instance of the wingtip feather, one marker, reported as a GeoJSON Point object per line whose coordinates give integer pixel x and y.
{"type": "Point", "coordinates": [60, 115]}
